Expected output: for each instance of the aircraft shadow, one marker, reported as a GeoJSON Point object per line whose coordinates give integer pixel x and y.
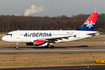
{"type": "Point", "coordinates": [56, 47]}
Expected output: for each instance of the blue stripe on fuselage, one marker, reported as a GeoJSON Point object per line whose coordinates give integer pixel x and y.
{"type": "Point", "coordinates": [37, 35]}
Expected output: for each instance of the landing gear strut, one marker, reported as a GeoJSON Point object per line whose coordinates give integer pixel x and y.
{"type": "Point", "coordinates": [47, 46]}
{"type": "Point", "coordinates": [17, 45]}
{"type": "Point", "coordinates": [51, 46]}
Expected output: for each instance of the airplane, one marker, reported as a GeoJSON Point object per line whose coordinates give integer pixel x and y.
{"type": "Point", "coordinates": [48, 37]}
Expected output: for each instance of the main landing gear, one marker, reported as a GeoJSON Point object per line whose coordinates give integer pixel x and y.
{"type": "Point", "coordinates": [47, 46]}
{"type": "Point", "coordinates": [17, 45]}
{"type": "Point", "coordinates": [51, 46]}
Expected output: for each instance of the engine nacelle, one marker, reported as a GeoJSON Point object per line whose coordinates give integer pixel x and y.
{"type": "Point", "coordinates": [38, 43]}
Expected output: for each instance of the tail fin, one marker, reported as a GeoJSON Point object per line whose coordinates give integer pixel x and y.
{"type": "Point", "coordinates": [89, 23]}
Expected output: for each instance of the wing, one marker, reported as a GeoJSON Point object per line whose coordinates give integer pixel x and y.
{"type": "Point", "coordinates": [52, 40]}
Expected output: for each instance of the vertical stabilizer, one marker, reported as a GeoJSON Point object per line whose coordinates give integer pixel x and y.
{"type": "Point", "coordinates": [89, 24]}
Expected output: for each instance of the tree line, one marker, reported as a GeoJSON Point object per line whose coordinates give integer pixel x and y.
{"type": "Point", "coordinates": [10, 23]}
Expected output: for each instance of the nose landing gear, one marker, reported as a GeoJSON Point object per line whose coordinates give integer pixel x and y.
{"type": "Point", "coordinates": [17, 45]}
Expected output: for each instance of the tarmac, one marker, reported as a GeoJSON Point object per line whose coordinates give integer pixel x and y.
{"type": "Point", "coordinates": [56, 49]}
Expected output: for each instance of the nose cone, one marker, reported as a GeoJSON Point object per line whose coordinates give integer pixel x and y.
{"type": "Point", "coordinates": [4, 38]}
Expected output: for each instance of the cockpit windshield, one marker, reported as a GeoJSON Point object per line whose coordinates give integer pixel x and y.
{"type": "Point", "coordinates": [9, 34]}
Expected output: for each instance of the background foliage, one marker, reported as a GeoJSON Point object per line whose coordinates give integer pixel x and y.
{"type": "Point", "coordinates": [10, 23]}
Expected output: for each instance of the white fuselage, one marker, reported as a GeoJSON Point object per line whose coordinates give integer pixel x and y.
{"type": "Point", "coordinates": [61, 35]}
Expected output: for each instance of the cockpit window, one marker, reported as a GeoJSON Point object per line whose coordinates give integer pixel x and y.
{"type": "Point", "coordinates": [9, 34]}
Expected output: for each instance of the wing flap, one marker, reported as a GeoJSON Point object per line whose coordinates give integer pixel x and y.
{"type": "Point", "coordinates": [52, 40]}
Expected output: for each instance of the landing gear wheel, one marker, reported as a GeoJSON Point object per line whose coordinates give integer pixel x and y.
{"type": "Point", "coordinates": [52, 46]}
{"type": "Point", "coordinates": [16, 47]}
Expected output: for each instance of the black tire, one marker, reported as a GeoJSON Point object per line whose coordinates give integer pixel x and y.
{"type": "Point", "coordinates": [16, 47]}
{"type": "Point", "coordinates": [52, 46]}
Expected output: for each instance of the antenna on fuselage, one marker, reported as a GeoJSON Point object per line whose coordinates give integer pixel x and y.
{"type": "Point", "coordinates": [95, 8]}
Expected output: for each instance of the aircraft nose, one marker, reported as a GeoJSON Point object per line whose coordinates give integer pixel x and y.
{"type": "Point", "coordinates": [4, 38]}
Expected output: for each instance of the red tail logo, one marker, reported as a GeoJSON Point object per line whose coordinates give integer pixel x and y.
{"type": "Point", "coordinates": [90, 23]}
{"type": "Point", "coordinates": [92, 18]}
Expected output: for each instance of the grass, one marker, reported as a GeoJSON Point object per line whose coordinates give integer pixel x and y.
{"type": "Point", "coordinates": [17, 60]}
{"type": "Point", "coordinates": [100, 35]}
{"type": "Point", "coordinates": [1, 35]}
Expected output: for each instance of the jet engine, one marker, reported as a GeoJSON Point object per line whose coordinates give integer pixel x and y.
{"type": "Point", "coordinates": [38, 43]}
